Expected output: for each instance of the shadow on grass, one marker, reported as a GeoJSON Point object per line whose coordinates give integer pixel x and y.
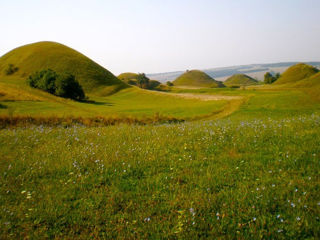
{"type": "Point", "coordinates": [97, 103]}
{"type": "Point", "coordinates": [3, 106]}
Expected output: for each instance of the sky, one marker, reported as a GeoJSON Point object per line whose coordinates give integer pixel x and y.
{"type": "Point", "coordinates": [153, 36]}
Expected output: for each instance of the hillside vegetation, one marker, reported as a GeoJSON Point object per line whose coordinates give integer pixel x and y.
{"type": "Point", "coordinates": [296, 73]}
{"type": "Point", "coordinates": [62, 59]}
{"type": "Point", "coordinates": [197, 78]}
{"type": "Point", "coordinates": [238, 80]}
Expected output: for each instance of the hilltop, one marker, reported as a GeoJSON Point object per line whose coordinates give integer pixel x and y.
{"type": "Point", "coordinates": [60, 58]}
{"type": "Point", "coordinates": [198, 79]}
{"type": "Point", "coordinates": [296, 73]}
{"type": "Point", "coordinates": [128, 77]}
{"type": "Point", "coordinates": [238, 80]}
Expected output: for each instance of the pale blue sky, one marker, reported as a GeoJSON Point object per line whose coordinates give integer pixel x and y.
{"type": "Point", "coordinates": [168, 35]}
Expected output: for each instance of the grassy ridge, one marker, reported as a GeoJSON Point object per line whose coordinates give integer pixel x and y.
{"type": "Point", "coordinates": [223, 179]}
{"type": "Point", "coordinates": [196, 78]}
{"type": "Point", "coordinates": [60, 58]}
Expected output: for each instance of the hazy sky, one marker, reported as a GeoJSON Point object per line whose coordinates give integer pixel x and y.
{"type": "Point", "coordinates": [168, 35]}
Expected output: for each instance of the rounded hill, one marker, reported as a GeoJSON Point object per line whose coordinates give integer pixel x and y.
{"type": "Point", "coordinates": [296, 73]}
{"type": "Point", "coordinates": [128, 77]}
{"type": "Point", "coordinates": [62, 59]}
{"type": "Point", "coordinates": [238, 80]}
{"type": "Point", "coordinates": [196, 78]}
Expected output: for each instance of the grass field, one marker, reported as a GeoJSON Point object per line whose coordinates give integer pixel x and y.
{"type": "Point", "coordinates": [229, 179]}
{"type": "Point", "coordinates": [248, 169]}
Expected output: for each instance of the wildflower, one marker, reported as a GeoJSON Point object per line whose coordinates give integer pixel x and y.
{"type": "Point", "coordinates": [147, 219]}
{"type": "Point", "coordinates": [293, 205]}
{"type": "Point", "coordinates": [254, 219]}
{"type": "Point", "coordinates": [192, 211]}
{"type": "Point", "coordinates": [278, 216]}
{"type": "Point", "coordinates": [298, 218]}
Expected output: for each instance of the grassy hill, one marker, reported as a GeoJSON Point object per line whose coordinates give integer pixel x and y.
{"type": "Point", "coordinates": [240, 80]}
{"type": "Point", "coordinates": [198, 79]}
{"type": "Point", "coordinates": [128, 77]}
{"type": "Point", "coordinates": [296, 73]}
{"type": "Point", "coordinates": [310, 82]}
{"type": "Point", "coordinates": [60, 58]}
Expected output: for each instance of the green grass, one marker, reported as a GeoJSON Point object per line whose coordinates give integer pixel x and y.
{"type": "Point", "coordinates": [253, 174]}
{"type": "Point", "coordinates": [228, 179]}
{"type": "Point", "coordinates": [23, 101]}
{"type": "Point", "coordinates": [43, 55]}
{"type": "Point", "coordinates": [238, 80]}
{"type": "Point", "coordinates": [196, 78]}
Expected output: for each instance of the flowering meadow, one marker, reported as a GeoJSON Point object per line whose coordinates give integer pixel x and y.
{"type": "Point", "coordinates": [224, 179]}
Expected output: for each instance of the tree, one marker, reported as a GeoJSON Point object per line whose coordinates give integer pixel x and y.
{"type": "Point", "coordinates": [62, 85]}
{"type": "Point", "coordinates": [142, 80]}
{"type": "Point", "coordinates": [268, 78]}
{"type": "Point", "coordinates": [67, 87]}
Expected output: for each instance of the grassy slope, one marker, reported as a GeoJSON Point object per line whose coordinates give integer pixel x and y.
{"type": "Point", "coordinates": [196, 78]}
{"type": "Point", "coordinates": [296, 73]}
{"type": "Point", "coordinates": [21, 100]}
{"type": "Point", "coordinates": [240, 80]}
{"type": "Point", "coordinates": [44, 55]}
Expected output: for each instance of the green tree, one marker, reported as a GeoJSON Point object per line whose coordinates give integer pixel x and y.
{"type": "Point", "coordinates": [67, 87]}
{"type": "Point", "coordinates": [62, 85]}
{"type": "Point", "coordinates": [268, 78]}
{"type": "Point", "coordinates": [142, 80]}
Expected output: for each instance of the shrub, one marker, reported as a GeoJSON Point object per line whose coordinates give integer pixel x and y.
{"type": "Point", "coordinates": [11, 69]}
{"type": "Point", "coordinates": [170, 84]}
{"type": "Point", "coordinates": [62, 85]}
{"type": "Point", "coordinates": [67, 87]}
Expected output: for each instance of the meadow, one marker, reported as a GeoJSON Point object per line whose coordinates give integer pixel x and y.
{"type": "Point", "coordinates": [254, 174]}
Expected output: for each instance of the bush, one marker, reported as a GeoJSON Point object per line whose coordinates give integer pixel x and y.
{"type": "Point", "coordinates": [62, 85]}
{"type": "Point", "coordinates": [11, 69]}
{"type": "Point", "coordinates": [170, 84]}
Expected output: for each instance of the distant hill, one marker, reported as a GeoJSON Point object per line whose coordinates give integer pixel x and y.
{"type": "Point", "coordinates": [221, 74]}
{"type": "Point", "coordinates": [296, 73]}
{"type": "Point", "coordinates": [238, 80]}
{"type": "Point", "coordinates": [196, 78]}
{"type": "Point", "coordinates": [128, 77]}
{"type": "Point", "coordinates": [60, 58]}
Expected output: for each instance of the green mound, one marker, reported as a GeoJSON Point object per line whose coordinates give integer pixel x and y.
{"type": "Point", "coordinates": [198, 79]}
{"type": "Point", "coordinates": [62, 59]}
{"type": "Point", "coordinates": [129, 78]}
{"type": "Point", "coordinates": [238, 80]}
{"type": "Point", "coordinates": [296, 73]}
